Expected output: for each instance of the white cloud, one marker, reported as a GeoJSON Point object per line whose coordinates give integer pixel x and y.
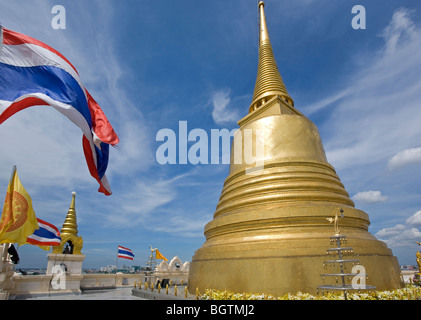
{"type": "Point", "coordinates": [406, 237]}
{"type": "Point", "coordinates": [374, 114]}
{"type": "Point", "coordinates": [400, 29]}
{"type": "Point", "coordinates": [391, 232]}
{"type": "Point", "coordinates": [319, 105]}
{"type": "Point", "coordinates": [134, 206]}
{"type": "Point", "coordinates": [182, 225]}
{"type": "Point", "coordinates": [405, 157]}
{"type": "Point", "coordinates": [45, 146]}
{"type": "Point", "coordinates": [103, 71]}
{"type": "Point", "coordinates": [369, 197]}
{"type": "Point", "coordinates": [402, 235]}
{"type": "Point", "coordinates": [221, 112]}
{"type": "Point", "coordinates": [137, 204]}
{"type": "Point", "coordinates": [415, 219]}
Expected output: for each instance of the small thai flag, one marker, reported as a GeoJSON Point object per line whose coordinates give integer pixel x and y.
{"type": "Point", "coordinates": [125, 253]}
{"type": "Point", "coordinates": [46, 235]}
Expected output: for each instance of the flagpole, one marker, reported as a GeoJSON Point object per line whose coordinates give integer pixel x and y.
{"type": "Point", "coordinates": [13, 172]}
{"type": "Point", "coordinates": [4, 253]}
{"type": "Point", "coordinates": [116, 262]}
{"type": "Point", "coordinates": [11, 178]}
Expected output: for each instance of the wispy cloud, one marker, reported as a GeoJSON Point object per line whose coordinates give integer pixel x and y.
{"type": "Point", "coordinates": [374, 125]}
{"type": "Point", "coordinates": [374, 115]}
{"type": "Point", "coordinates": [223, 113]}
{"type": "Point", "coordinates": [320, 105]}
{"type": "Point", "coordinates": [369, 197]}
{"type": "Point", "coordinates": [405, 157]}
{"type": "Point", "coordinates": [400, 30]}
{"type": "Point", "coordinates": [402, 235]}
{"type": "Point", "coordinates": [144, 200]}
{"type": "Point", "coordinates": [391, 231]}
{"type": "Point", "coordinates": [182, 225]}
{"type": "Point", "coordinates": [415, 219]}
{"type": "Point", "coordinates": [139, 201]}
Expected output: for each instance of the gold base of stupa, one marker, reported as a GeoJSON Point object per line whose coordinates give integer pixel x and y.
{"type": "Point", "coordinates": [272, 225]}
{"type": "Point", "coordinates": [273, 256]}
{"type": "Point", "coordinates": [271, 229]}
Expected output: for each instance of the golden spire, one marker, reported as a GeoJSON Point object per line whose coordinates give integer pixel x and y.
{"type": "Point", "coordinates": [269, 81]}
{"type": "Point", "coordinates": [70, 225]}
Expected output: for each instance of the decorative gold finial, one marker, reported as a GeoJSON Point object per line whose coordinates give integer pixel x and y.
{"type": "Point", "coordinates": [335, 220]}
{"type": "Point", "coordinates": [264, 35]}
{"type": "Point", "coordinates": [269, 82]}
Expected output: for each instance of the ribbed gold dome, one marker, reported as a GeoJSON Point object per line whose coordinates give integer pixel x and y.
{"type": "Point", "coordinates": [270, 230]}
{"type": "Point", "coordinates": [269, 81]}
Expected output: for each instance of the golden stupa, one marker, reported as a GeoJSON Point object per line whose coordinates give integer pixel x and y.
{"type": "Point", "coordinates": [271, 228]}
{"type": "Point", "coordinates": [70, 243]}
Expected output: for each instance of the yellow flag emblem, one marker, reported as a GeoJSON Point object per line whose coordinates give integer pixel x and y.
{"type": "Point", "coordinates": [160, 256]}
{"type": "Point", "coordinates": [18, 219]}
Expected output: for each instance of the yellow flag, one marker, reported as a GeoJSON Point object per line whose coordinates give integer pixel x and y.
{"type": "Point", "coordinates": [160, 256]}
{"type": "Point", "coordinates": [18, 219]}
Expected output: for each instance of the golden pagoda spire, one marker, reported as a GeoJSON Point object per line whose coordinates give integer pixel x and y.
{"type": "Point", "coordinates": [270, 223]}
{"type": "Point", "coordinates": [70, 243]}
{"type": "Point", "coordinates": [70, 225]}
{"type": "Point", "coordinates": [269, 82]}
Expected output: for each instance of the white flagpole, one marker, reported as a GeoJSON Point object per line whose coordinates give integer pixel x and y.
{"type": "Point", "coordinates": [116, 261]}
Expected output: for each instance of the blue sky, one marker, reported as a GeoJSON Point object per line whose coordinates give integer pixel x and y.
{"type": "Point", "coordinates": [151, 64]}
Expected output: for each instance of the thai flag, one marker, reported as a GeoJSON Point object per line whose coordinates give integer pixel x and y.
{"type": "Point", "coordinates": [32, 73]}
{"type": "Point", "coordinates": [125, 253]}
{"type": "Point", "coordinates": [46, 235]}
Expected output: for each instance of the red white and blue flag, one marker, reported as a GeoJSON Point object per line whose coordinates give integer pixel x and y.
{"type": "Point", "coordinates": [33, 74]}
{"type": "Point", "coordinates": [125, 253]}
{"type": "Point", "coordinates": [46, 235]}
